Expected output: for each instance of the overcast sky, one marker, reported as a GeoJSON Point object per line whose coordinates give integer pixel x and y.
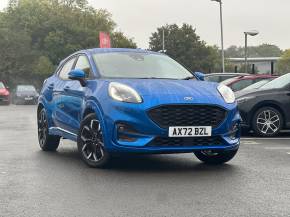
{"type": "Point", "coordinates": [139, 18]}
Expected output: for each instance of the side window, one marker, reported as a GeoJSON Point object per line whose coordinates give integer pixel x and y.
{"type": "Point", "coordinates": [213, 78]}
{"type": "Point", "coordinates": [83, 64]}
{"type": "Point", "coordinates": [241, 85]}
{"type": "Point", "coordinates": [63, 74]}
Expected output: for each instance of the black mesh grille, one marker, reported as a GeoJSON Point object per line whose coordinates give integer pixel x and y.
{"type": "Point", "coordinates": [185, 142]}
{"type": "Point", "coordinates": [187, 115]}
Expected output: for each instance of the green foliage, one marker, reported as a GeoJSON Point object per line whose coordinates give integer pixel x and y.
{"type": "Point", "coordinates": [35, 35]}
{"type": "Point", "coordinates": [264, 50]}
{"type": "Point", "coordinates": [184, 45]}
{"type": "Point", "coordinates": [119, 39]}
{"type": "Point", "coordinates": [284, 63]}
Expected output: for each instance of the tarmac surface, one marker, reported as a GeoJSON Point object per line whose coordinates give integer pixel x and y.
{"type": "Point", "coordinates": [34, 183]}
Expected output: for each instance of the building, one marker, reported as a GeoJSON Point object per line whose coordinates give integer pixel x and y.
{"type": "Point", "coordinates": [260, 65]}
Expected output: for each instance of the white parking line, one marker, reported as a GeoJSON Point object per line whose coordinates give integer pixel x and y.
{"type": "Point", "coordinates": [288, 152]}
{"type": "Point", "coordinates": [250, 143]}
{"type": "Point", "coordinates": [277, 148]}
{"type": "Point", "coordinates": [258, 138]}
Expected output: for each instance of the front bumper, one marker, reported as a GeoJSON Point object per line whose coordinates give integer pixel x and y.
{"type": "Point", "coordinates": [141, 133]}
{"type": "Point", "coordinates": [4, 99]}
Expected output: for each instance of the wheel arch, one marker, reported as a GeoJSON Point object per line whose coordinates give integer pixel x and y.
{"type": "Point", "coordinates": [87, 111]}
{"type": "Point", "coordinates": [272, 104]}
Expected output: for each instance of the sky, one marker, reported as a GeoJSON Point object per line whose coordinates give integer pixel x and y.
{"type": "Point", "coordinates": [139, 18]}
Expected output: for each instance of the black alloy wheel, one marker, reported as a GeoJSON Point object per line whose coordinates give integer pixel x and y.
{"type": "Point", "coordinates": [91, 143]}
{"type": "Point", "coordinates": [46, 142]}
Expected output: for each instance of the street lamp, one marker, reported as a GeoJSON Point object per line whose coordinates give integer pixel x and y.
{"type": "Point", "coordinates": [222, 33]}
{"type": "Point", "coordinates": [250, 33]}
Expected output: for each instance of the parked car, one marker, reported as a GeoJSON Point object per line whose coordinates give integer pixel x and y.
{"type": "Point", "coordinates": [136, 101]}
{"type": "Point", "coordinates": [4, 94]}
{"type": "Point", "coordinates": [219, 77]}
{"type": "Point", "coordinates": [266, 110]}
{"type": "Point", "coordinates": [241, 82]}
{"type": "Point", "coordinates": [25, 94]}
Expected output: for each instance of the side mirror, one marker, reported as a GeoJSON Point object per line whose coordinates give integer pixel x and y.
{"type": "Point", "coordinates": [200, 76]}
{"type": "Point", "coordinates": [78, 75]}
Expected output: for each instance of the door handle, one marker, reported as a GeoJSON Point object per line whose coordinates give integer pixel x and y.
{"type": "Point", "coordinates": [67, 88]}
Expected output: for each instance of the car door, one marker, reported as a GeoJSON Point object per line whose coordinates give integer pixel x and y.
{"type": "Point", "coordinates": [74, 94]}
{"type": "Point", "coordinates": [59, 112]}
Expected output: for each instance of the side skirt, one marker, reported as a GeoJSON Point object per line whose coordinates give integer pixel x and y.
{"type": "Point", "coordinates": [63, 133]}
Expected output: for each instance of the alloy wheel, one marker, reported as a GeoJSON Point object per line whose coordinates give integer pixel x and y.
{"type": "Point", "coordinates": [268, 122]}
{"type": "Point", "coordinates": [92, 139]}
{"type": "Point", "coordinates": [42, 128]}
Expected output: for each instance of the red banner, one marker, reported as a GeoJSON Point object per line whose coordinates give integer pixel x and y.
{"type": "Point", "coordinates": [105, 40]}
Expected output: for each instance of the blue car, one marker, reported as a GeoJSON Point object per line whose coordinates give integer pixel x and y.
{"type": "Point", "coordinates": [117, 101]}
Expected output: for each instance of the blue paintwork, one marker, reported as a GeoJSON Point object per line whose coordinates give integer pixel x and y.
{"type": "Point", "coordinates": [200, 75]}
{"type": "Point", "coordinates": [76, 74]}
{"type": "Point", "coordinates": [66, 107]}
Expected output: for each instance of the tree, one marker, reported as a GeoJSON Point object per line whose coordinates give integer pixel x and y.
{"type": "Point", "coordinates": [121, 41]}
{"type": "Point", "coordinates": [184, 45]}
{"type": "Point", "coordinates": [35, 35]}
{"type": "Point", "coordinates": [263, 50]}
{"type": "Point", "coordinates": [284, 63]}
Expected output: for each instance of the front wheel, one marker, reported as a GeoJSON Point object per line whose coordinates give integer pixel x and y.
{"type": "Point", "coordinates": [91, 143]}
{"type": "Point", "coordinates": [215, 157]}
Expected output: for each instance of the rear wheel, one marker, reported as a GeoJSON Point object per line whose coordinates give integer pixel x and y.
{"type": "Point", "coordinates": [267, 121]}
{"type": "Point", "coordinates": [215, 157]}
{"type": "Point", "coordinates": [91, 143]}
{"type": "Point", "coordinates": [46, 142]}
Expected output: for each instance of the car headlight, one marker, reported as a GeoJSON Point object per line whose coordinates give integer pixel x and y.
{"type": "Point", "coordinates": [227, 93]}
{"type": "Point", "coordinates": [124, 93]}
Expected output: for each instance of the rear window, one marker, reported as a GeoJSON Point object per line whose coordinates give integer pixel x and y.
{"type": "Point", "coordinates": [2, 85]}
{"type": "Point", "coordinates": [25, 88]}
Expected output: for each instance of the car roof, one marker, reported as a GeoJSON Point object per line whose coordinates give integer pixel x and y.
{"type": "Point", "coordinates": [226, 73]}
{"type": "Point", "coordinates": [255, 76]}
{"type": "Point", "coordinates": [111, 50]}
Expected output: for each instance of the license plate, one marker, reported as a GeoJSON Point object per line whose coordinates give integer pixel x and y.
{"type": "Point", "coordinates": [28, 98]}
{"type": "Point", "coordinates": [203, 131]}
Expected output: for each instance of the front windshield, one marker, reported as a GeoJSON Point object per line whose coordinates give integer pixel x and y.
{"type": "Point", "coordinates": [1, 85]}
{"type": "Point", "coordinates": [258, 84]}
{"type": "Point", "coordinates": [278, 83]}
{"type": "Point", "coordinates": [25, 88]}
{"type": "Point", "coordinates": [139, 65]}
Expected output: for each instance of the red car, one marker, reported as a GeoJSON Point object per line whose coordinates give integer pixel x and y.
{"type": "Point", "coordinates": [241, 82]}
{"type": "Point", "coordinates": [4, 94]}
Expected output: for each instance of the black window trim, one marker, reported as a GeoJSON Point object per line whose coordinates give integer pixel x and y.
{"type": "Point", "coordinates": [65, 62]}
{"type": "Point", "coordinates": [91, 76]}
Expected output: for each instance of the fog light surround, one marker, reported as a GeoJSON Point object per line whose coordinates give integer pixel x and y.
{"type": "Point", "coordinates": [126, 133]}
{"type": "Point", "coordinates": [235, 130]}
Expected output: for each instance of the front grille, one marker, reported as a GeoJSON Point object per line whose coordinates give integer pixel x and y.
{"type": "Point", "coordinates": [187, 115]}
{"type": "Point", "coordinates": [185, 142]}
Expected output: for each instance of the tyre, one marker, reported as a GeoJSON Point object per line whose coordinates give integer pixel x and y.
{"type": "Point", "coordinates": [267, 121]}
{"type": "Point", "coordinates": [215, 157]}
{"type": "Point", "coordinates": [91, 143]}
{"type": "Point", "coordinates": [46, 142]}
